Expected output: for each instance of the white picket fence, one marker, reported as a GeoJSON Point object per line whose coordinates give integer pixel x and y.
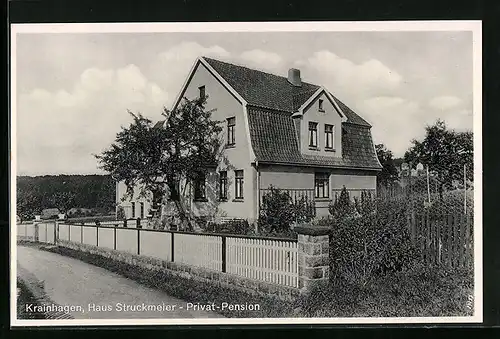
{"type": "Point", "coordinates": [264, 259]}
{"type": "Point", "coordinates": [268, 260]}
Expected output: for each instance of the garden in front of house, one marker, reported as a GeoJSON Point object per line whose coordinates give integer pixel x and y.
{"type": "Point", "coordinates": [379, 266]}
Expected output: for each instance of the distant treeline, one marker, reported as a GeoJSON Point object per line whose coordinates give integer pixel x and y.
{"type": "Point", "coordinates": [95, 192]}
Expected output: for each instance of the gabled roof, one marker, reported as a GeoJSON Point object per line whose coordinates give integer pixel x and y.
{"type": "Point", "coordinates": [271, 100]}
{"type": "Point", "coordinates": [272, 134]}
{"type": "Point", "coordinates": [271, 91]}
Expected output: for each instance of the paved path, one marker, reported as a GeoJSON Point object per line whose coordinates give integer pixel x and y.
{"type": "Point", "coordinates": [72, 282]}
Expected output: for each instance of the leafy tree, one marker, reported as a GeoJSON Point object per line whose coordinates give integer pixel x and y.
{"type": "Point", "coordinates": [84, 191]}
{"type": "Point", "coordinates": [62, 201]}
{"type": "Point", "coordinates": [445, 151]}
{"type": "Point", "coordinates": [389, 173]}
{"type": "Point", "coordinates": [28, 205]}
{"type": "Point", "coordinates": [156, 159]}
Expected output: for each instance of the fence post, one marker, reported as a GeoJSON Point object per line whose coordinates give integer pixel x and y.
{"type": "Point", "coordinates": [35, 232]}
{"type": "Point", "coordinates": [224, 261]}
{"type": "Point", "coordinates": [81, 234]}
{"type": "Point", "coordinates": [69, 233]}
{"type": "Point", "coordinates": [138, 241]}
{"type": "Point", "coordinates": [114, 238]}
{"type": "Point", "coordinates": [172, 246]}
{"type": "Point", "coordinates": [97, 235]}
{"type": "Point", "coordinates": [56, 226]}
{"type": "Point", "coordinates": [313, 256]}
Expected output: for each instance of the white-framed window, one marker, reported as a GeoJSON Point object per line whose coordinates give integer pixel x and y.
{"type": "Point", "coordinates": [142, 210]}
{"type": "Point", "coordinates": [329, 136]}
{"type": "Point", "coordinates": [238, 184]}
{"type": "Point", "coordinates": [133, 209]}
{"type": "Point", "coordinates": [223, 185]}
{"type": "Point", "coordinates": [231, 123]}
{"type": "Point", "coordinates": [313, 134]}
{"type": "Point", "coordinates": [321, 185]}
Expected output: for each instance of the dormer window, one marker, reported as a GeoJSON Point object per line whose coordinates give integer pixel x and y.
{"type": "Point", "coordinates": [313, 134]}
{"type": "Point", "coordinates": [320, 105]}
{"type": "Point", "coordinates": [202, 92]}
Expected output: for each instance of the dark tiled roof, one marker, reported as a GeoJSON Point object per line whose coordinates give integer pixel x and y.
{"type": "Point", "coordinates": [273, 138]}
{"type": "Point", "coordinates": [262, 89]}
{"type": "Point", "coordinates": [272, 91]}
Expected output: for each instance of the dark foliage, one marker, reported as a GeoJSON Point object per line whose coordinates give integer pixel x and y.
{"type": "Point", "coordinates": [417, 292]}
{"type": "Point", "coordinates": [34, 194]}
{"type": "Point", "coordinates": [342, 208]}
{"type": "Point", "coordinates": [236, 226]}
{"type": "Point", "coordinates": [389, 174]}
{"type": "Point", "coordinates": [279, 211]}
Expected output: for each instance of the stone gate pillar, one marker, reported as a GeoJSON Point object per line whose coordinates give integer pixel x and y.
{"type": "Point", "coordinates": [313, 256]}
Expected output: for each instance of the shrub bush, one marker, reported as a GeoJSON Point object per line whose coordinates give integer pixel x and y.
{"type": "Point", "coordinates": [236, 226]}
{"type": "Point", "coordinates": [120, 213]}
{"type": "Point", "coordinates": [373, 242]}
{"type": "Point", "coordinates": [279, 211]}
{"type": "Point", "coordinates": [342, 208]}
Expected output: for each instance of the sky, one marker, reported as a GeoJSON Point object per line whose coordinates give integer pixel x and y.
{"type": "Point", "coordinates": [74, 89]}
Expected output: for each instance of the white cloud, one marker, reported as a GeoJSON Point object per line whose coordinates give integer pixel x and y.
{"type": "Point", "coordinates": [395, 121]}
{"type": "Point", "coordinates": [57, 132]}
{"type": "Point", "coordinates": [348, 79]}
{"type": "Point", "coordinates": [445, 102]}
{"type": "Point", "coordinates": [173, 65]}
{"type": "Point", "coordinates": [262, 59]}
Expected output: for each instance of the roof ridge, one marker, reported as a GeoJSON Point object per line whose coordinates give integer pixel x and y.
{"type": "Point", "coordinates": [255, 70]}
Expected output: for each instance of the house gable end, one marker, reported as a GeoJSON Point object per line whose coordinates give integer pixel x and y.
{"type": "Point", "coordinates": [201, 61]}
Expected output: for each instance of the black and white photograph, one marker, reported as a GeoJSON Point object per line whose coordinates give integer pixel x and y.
{"type": "Point", "coordinates": [246, 173]}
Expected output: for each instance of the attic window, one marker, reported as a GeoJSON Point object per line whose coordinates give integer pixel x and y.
{"type": "Point", "coordinates": [320, 105]}
{"type": "Point", "coordinates": [202, 92]}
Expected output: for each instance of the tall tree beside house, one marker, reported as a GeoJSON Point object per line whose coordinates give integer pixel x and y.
{"type": "Point", "coordinates": [389, 173]}
{"type": "Point", "coordinates": [445, 151]}
{"type": "Point", "coordinates": [160, 159]}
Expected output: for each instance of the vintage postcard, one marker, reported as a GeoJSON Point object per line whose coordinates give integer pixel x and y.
{"type": "Point", "coordinates": [246, 173]}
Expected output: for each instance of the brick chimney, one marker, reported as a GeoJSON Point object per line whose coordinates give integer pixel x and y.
{"type": "Point", "coordinates": [294, 77]}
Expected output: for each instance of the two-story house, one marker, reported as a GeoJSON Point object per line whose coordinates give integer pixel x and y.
{"type": "Point", "coordinates": [279, 131]}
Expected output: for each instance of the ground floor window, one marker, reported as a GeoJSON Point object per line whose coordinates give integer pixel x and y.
{"type": "Point", "coordinates": [142, 210]}
{"type": "Point", "coordinates": [133, 209]}
{"type": "Point", "coordinates": [238, 182]}
{"type": "Point", "coordinates": [200, 187]}
{"type": "Point", "coordinates": [321, 185]}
